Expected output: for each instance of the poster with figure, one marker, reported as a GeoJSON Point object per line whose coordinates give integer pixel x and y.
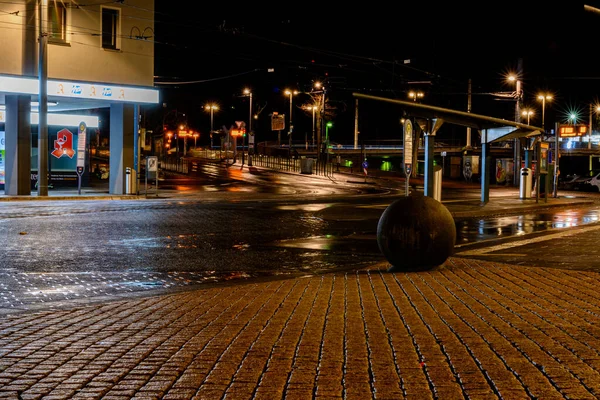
{"type": "Point", "coordinates": [470, 167]}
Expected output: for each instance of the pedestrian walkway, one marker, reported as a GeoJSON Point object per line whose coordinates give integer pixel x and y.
{"type": "Point", "coordinates": [466, 330]}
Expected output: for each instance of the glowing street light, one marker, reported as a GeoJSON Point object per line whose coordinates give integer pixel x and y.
{"type": "Point", "coordinates": [248, 93]}
{"type": "Point", "coordinates": [415, 95]}
{"type": "Point", "coordinates": [313, 109]}
{"type": "Point", "coordinates": [527, 112]}
{"type": "Point", "coordinates": [211, 108]}
{"type": "Point", "coordinates": [290, 93]}
{"type": "Point", "coordinates": [196, 134]}
{"type": "Point", "coordinates": [544, 97]}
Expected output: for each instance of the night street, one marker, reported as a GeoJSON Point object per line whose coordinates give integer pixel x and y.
{"type": "Point", "coordinates": [60, 252]}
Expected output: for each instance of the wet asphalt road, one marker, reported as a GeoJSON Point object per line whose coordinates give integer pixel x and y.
{"type": "Point", "coordinates": [55, 253]}
{"type": "Point", "coordinates": [91, 249]}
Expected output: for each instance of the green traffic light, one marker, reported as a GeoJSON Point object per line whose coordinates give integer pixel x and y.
{"type": "Point", "coordinates": [329, 124]}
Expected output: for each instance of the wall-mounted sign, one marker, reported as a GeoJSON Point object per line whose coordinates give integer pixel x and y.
{"type": "Point", "coordinates": [277, 122]}
{"type": "Point", "coordinates": [89, 90]}
{"type": "Point", "coordinates": [81, 139]}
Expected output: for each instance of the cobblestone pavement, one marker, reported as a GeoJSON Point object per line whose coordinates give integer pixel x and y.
{"type": "Point", "coordinates": [468, 329]}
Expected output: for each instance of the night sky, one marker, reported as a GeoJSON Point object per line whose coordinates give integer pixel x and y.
{"type": "Point", "coordinates": [384, 49]}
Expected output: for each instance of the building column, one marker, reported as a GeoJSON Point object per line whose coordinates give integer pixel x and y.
{"type": "Point", "coordinates": [18, 146]}
{"type": "Point", "coordinates": [429, 155]}
{"type": "Point", "coordinates": [122, 145]}
{"type": "Point", "coordinates": [486, 161]}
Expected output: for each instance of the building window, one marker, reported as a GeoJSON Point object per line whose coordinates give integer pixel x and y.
{"type": "Point", "coordinates": [110, 28]}
{"type": "Point", "coordinates": [57, 22]}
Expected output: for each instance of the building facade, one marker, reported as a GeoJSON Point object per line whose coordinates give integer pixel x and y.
{"type": "Point", "coordinates": [76, 59]}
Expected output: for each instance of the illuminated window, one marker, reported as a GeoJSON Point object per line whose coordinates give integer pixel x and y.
{"type": "Point", "coordinates": [57, 22]}
{"type": "Point", "coordinates": [110, 28]}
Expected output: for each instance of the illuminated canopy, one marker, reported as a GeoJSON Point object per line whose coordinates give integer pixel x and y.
{"type": "Point", "coordinates": [72, 95]}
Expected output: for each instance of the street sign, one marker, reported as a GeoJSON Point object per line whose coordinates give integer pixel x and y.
{"type": "Point", "coordinates": [408, 146]}
{"type": "Point", "coordinates": [152, 164]}
{"type": "Point", "coordinates": [277, 122]}
{"type": "Point", "coordinates": [81, 145]}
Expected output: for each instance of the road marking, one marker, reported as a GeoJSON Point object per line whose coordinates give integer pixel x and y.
{"type": "Point", "coordinates": [529, 241]}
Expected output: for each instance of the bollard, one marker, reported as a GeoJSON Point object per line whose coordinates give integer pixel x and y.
{"type": "Point", "coordinates": [416, 233]}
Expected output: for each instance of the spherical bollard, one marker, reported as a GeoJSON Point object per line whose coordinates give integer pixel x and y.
{"type": "Point", "coordinates": [416, 233]}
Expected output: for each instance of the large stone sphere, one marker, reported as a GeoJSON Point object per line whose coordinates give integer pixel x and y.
{"type": "Point", "coordinates": [416, 233]}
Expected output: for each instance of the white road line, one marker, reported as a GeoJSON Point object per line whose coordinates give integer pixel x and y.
{"type": "Point", "coordinates": [529, 241]}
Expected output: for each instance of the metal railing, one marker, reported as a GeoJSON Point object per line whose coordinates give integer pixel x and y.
{"type": "Point", "coordinates": [187, 165]}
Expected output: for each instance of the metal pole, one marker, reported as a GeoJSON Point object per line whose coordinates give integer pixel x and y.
{"type": "Point", "coordinates": [543, 112]}
{"type": "Point", "coordinates": [250, 133]}
{"type": "Point", "coordinates": [212, 131]}
{"type": "Point", "coordinates": [589, 145]}
{"type": "Point", "coordinates": [469, 110]}
{"type": "Point", "coordinates": [556, 155]}
{"type": "Point", "coordinates": [290, 131]}
{"type": "Point", "coordinates": [42, 189]}
{"type": "Point", "coordinates": [313, 126]}
{"type": "Point", "coordinates": [517, 141]}
{"type": "Point", "coordinates": [356, 125]}
{"type": "Point", "coordinates": [322, 120]}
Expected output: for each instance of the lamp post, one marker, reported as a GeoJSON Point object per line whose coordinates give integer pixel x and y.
{"type": "Point", "coordinates": [327, 126]}
{"type": "Point", "coordinates": [195, 138]}
{"type": "Point", "coordinates": [319, 85]}
{"type": "Point", "coordinates": [597, 109]}
{"type": "Point", "coordinates": [415, 95]}
{"type": "Point", "coordinates": [211, 108]}
{"type": "Point", "coordinates": [517, 141]}
{"type": "Point", "coordinates": [527, 113]}
{"type": "Point", "coordinates": [290, 94]}
{"type": "Point", "coordinates": [313, 108]}
{"type": "Point", "coordinates": [544, 97]}
{"type": "Point", "coordinates": [248, 93]}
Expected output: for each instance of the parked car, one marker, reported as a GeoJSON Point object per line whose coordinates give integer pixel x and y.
{"type": "Point", "coordinates": [588, 183]}
{"type": "Point", "coordinates": [568, 181]}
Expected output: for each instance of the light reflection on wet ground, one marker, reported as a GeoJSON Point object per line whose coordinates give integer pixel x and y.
{"type": "Point", "coordinates": [25, 291]}
{"type": "Point", "coordinates": [469, 231]}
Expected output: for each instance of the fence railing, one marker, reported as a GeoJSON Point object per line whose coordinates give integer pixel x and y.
{"type": "Point", "coordinates": [189, 165]}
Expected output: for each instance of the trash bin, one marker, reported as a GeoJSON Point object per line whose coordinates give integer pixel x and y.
{"type": "Point", "coordinates": [437, 183]}
{"type": "Point", "coordinates": [306, 165]}
{"type": "Point", "coordinates": [130, 181]}
{"type": "Point", "coordinates": [525, 185]}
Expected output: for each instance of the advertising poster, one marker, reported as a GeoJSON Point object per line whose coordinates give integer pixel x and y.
{"type": "Point", "coordinates": [2, 158]}
{"type": "Point", "coordinates": [62, 148]}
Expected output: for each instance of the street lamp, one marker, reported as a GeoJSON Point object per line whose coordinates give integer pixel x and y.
{"type": "Point", "coordinates": [211, 108]}
{"type": "Point", "coordinates": [544, 97]}
{"type": "Point", "coordinates": [327, 126]}
{"type": "Point", "coordinates": [319, 85]}
{"type": "Point", "coordinates": [313, 109]}
{"type": "Point", "coordinates": [415, 95]}
{"type": "Point", "coordinates": [518, 95]}
{"type": "Point", "coordinates": [527, 112]}
{"type": "Point", "coordinates": [195, 138]}
{"type": "Point", "coordinates": [248, 93]}
{"type": "Point", "coordinates": [597, 109]}
{"type": "Point", "coordinates": [290, 93]}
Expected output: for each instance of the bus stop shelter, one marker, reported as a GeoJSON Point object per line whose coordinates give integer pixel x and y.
{"type": "Point", "coordinates": [430, 118]}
